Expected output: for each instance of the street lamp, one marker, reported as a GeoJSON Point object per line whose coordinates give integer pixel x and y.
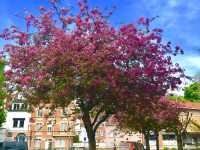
{"type": "Point", "coordinates": [115, 148]}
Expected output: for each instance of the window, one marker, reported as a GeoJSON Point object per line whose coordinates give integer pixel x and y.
{"type": "Point", "coordinates": [38, 126]}
{"type": "Point", "coordinates": [18, 122]}
{"type": "Point", "coordinates": [23, 106]}
{"type": "Point", "coordinates": [64, 111]}
{"type": "Point", "coordinates": [37, 142]}
{"type": "Point", "coordinates": [21, 137]}
{"type": "Point", "coordinates": [39, 113]}
{"type": "Point", "coordinates": [152, 137]}
{"type": "Point", "coordinates": [198, 140]}
{"type": "Point", "coordinates": [60, 142]}
{"type": "Point", "coordinates": [16, 106]}
{"type": "Point", "coordinates": [49, 128]}
{"type": "Point", "coordinates": [62, 127]}
{"type": "Point", "coordinates": [188, 140]}
{"type": "Point", "coordinates": [169, 137]}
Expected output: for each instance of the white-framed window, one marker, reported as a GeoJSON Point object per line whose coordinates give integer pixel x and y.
{"type": "Point", "coordinates": [38, 126]}
{"type": "Point", "coordinates": [16, 106]}
{"type": "Point", "coordinates": [18, 122]}
{"type": "Point", "coordinates": [60, 142]}
{"type": "Point", "coordinates": [23, 106]}
{"type": "Point", "coordinates": [37, 142]}
{"type": "Point", "coordinates": [39, 113]}
{"type": "Point", "coordinates": [49, 128]}
{"type": "Point", "coordinates": [63, 127]}
{"type": "Point", "coordinates": [168, 137]}
{"type": "Point", "coordinates": [65, 111]}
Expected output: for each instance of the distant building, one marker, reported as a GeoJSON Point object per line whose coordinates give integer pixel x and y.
{"type": "Point", "coordinates": [47, 129]}
{"type": "Point", "coordinates": [192, 140]}
{"type": "Point", "coordinates": [51, 130]}
{"type": "Point", "coordinates": [107, 137]}
{"type": "Point", "coordinates": [17, 121]}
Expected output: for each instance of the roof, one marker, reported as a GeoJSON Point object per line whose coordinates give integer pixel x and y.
{"type": "Point", "coordinates": [192, 105]}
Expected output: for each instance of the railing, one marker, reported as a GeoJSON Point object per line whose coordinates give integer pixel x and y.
{"type": "Point", "coordinates": [17, 110]}
{"type": "Point", "coordinates": [63, 133]}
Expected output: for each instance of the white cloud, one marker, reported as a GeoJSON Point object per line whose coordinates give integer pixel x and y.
{"type": "Point", "coordinates": [173, 3]}
{"type": "Point", "coordinates": [194, 61]}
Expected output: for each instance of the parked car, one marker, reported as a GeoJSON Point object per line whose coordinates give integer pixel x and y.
{"type": "Point", "coordinates": [13, 145]}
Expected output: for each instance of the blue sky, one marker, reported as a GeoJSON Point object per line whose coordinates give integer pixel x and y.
{"type": "Point", "coordinates": [180, 20]}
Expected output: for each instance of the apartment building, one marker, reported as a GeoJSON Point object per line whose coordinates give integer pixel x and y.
{"type": "Point", "coordinates": [191, 140]}
{"type": "Point", "coordinates": [51, 129]}
{"type": "Point", "coordinates": [41, 128]}
{"type": "Point", "coordinates": [46, 129]}
{"type": "Point", "coordinates": [17, 121]}
{"type": "Point", "coordinates": [107, 137]}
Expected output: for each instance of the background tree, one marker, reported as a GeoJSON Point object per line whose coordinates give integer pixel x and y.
{"type": "Point", "coordinates": [192, 92]}
{"type": "Point", "coordinates": [196, 78]}
{"type": "Point", "coordinates": [134, 120]}
{"type": "Point", "coordinates": [83, 58]}
{"type": "Point", "coordinates": [2, 93]}
{"type": "Point", "coordinates": [161, 116]}
{"type": "Point", "coordinates": [180, 127]}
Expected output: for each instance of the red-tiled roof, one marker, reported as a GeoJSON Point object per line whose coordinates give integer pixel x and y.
{"type": "Point", "coordinates": [192, 105]}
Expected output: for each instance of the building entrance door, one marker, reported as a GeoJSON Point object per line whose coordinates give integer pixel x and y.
{"type": "Point", "coordinates": [21, 137]}
{"type": "Point", "coordinates": [48, 144]}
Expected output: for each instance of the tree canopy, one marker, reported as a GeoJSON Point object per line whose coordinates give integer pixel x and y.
{"type": "Point", "coordinates": [196, 78]}
{"type": "Point", "coordinates": [192, 92]}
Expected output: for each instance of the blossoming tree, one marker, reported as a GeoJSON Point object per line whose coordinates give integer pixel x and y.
{"type": "Point", "coordinates": [61, 57]}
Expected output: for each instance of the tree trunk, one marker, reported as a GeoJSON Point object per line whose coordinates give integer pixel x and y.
{"type": "Point", "coordinates": [179, 141]}
{"type": "Point", "coordinates": [92, 142]}
{"type": "Point", "coordinates": [157, 140]}
{"type": "Point", "coordinates": [146, 136]}
{"type": "Point", "coordinates": [89, 129]}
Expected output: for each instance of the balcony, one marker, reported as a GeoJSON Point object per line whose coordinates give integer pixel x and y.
{"type": "Point", "coordinates": [17, 110]}
{"type": "Point", "coordinates": [63, 133]}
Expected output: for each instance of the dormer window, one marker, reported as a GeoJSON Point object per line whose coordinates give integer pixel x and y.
{"type": "Point", "coordinates": [19, 106]}
{"type": "Point", "coordinates": [16, 106]}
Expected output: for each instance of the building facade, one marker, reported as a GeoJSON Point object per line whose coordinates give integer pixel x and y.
{"type": "Point", "coordinates": [192, 140]}
{"type": "Point", "coordinates": [51, 129]}
{"type": "Point", "coordinates": [47, 129]}
{"type": "Point", "coordinates": [17, 121]}
{"type": "Point", "coordinates": [108, 137]}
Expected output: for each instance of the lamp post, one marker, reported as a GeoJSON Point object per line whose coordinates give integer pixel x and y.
{"type": "Point", "coordinates": [115, 148]}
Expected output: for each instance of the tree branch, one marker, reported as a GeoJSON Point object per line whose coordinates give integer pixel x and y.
{"type": "Point", "coordinates": [188, 119]}
{"type": "Point", "coordinates": [97, 115]}
{"type": "Point", "coordinates": [103, 118]}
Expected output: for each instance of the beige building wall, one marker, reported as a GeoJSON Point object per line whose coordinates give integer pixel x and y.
{"type": "Point", "coordinates": [51, 129]}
